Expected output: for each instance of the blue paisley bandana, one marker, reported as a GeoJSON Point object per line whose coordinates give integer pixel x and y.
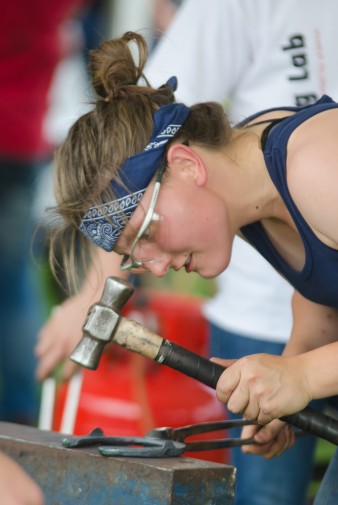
{"type": "Point", "coordinates": [103, 224]}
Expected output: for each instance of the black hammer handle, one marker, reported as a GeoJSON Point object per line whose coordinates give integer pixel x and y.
{"type": "Point", "coordinates": [204, 370]}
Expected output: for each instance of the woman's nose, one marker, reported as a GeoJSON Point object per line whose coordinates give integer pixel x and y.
{"type": "Point", "coordinates": [159, 267]}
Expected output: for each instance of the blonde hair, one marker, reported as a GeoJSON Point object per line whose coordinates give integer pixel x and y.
{"type": "Point", "coordinates": [119, 126]}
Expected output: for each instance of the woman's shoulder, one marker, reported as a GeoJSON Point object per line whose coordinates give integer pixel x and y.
{"type": "Point", "coordinates": [316, 138]}
{"type": "Point", "coordinates": [265, 117]}
{"type": "Point", "coordinates": [312, 172]}
{"type": "Point", "coordinates": [277, 113]}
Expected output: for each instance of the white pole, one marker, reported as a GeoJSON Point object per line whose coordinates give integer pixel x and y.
{"type": "Point", "coordinates": [46, 413]}
{"type": "Point", "coordinates": [71, 404]}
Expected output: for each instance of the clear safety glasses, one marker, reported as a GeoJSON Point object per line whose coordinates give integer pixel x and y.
{"type": "Point", "coordinates": [144, 249]}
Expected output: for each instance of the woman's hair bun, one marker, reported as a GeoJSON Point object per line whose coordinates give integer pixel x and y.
{"type": "Point", "coordinates": [113, 68]}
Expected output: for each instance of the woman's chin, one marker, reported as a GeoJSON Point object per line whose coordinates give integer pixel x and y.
{"type": "Point", "coordinates": [209, 272]}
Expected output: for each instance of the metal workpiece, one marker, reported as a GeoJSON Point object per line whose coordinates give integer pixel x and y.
{"type": "Point", "coordinates": [132, 446]}
{"type": "Point", "coordinates": [83, 476]}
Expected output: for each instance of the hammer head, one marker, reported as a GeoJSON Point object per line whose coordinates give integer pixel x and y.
{"type": "Point", "coordinates": [101, 323]}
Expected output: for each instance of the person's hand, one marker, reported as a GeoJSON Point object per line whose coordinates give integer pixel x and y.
{"type": "Point", "coordinates": [63, 331]}
{"type": "Point", "coordinates": [272, 439]}
{"type": "Point", "coordinates": [16, 486]}
{"type": "Point", "coordinates": [59, 336]}
{"type": "Point", "coordinates": [264, 387]}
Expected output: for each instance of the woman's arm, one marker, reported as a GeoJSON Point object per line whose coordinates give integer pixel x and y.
{"type": "Point", "coordinates": [315, 337]}
{"type": "Point", "coordinates": [267, 387]}
{"type": "Point", "coordinates": [314, 325]}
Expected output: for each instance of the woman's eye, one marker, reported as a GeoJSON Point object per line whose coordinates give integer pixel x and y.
{"type": "Point", "coordinates": [150, 232]}
{"type": "Point", "coordinates": [146, 234]}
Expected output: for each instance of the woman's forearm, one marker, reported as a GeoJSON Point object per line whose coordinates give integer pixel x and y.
{"type": "Point", "coordinates": [314, 325]}
{"type": "Point", "coordinates": [320, 366]}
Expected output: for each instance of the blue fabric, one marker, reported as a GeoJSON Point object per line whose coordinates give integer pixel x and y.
{"type": "Point", "coordinates": [21, 314]}
{"type": "Point", "coordinates": [318, 280]}
{"type": "Point", "coordinates": [328, 491]}
{"type": "Point", "coordinates": [104, 224]}
{"type": "Point", "coordinates": [282, 480]}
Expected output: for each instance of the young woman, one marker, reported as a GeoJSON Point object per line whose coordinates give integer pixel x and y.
{"type": "Point", "coordinates": [167, 186]}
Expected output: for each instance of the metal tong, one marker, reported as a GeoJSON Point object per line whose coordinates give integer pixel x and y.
{"type": "Point", "coordinates": [161, 442]}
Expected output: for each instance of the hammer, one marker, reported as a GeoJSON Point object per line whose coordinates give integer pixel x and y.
{"type": "Point", "coordinates": [105, 324]}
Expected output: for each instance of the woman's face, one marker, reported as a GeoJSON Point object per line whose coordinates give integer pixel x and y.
{"type": "Point", "coordinates": [191, 231]}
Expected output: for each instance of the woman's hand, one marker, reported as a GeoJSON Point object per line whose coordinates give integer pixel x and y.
{"type": "Point", "coordinates": [272, 439]}
{"type": "Point", "coordinates": [264, 387]}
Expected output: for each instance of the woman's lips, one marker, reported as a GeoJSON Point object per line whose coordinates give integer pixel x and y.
{"type": "Point", "coordinates": [187, 264]}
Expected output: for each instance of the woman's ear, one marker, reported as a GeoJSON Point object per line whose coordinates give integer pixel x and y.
{"type": "Point", "coordinates": [187, 163]}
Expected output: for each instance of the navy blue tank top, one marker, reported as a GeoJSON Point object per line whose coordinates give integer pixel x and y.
{"type": "Point", "coordinates": [318, 280]}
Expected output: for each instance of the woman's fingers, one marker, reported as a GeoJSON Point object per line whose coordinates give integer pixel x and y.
{"type": "Point", "coordinates": [261, 387]}
{"type": "Point", "coordinates": [272, 439]}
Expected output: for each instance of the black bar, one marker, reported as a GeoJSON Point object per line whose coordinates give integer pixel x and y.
{"type": "Point", "coordinates": [204, 370]}
{"type": "Point", "coordinates": [191, 364]}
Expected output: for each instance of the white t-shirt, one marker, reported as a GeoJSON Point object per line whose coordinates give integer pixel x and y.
{"type": "Point", "coordinates": [250, 55]}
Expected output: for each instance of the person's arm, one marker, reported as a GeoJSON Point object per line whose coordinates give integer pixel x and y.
{"type": "Point", "coordinates": [314, 325]}
{"type": "Point", "coordinates": [16, 486]}
{"type": "Point", "coordinates": [267, 387]}
{"type": "Point", "coordinates": [318, 378]}
{"type": "Point", "coordinates": [63, 330]}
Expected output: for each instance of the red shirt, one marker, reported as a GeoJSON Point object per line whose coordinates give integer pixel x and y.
{"type": "Point", "coordinates": [29, 52]}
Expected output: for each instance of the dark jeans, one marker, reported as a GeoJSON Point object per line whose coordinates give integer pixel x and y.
{"type": "Point", "coordinates": [328, 491]}
{"type": "Point", "coordinates": [282, 480]}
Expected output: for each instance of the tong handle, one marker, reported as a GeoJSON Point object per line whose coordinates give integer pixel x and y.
{"type": "Point", "coordinates": [207, 372]}
{"type": "Point", "coordinates": [315, 422]}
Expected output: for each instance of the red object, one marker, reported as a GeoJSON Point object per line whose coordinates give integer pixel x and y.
{"type": "Point", "coordinates": [30, 48]}
{"type": "Point", "coordinates": [128, 395]}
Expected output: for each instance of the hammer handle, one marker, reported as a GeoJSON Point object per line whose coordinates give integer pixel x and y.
{"type": "Point", "coordinates": [191, 364]}
{"type": "Point", "coordinates": [207, 372]}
